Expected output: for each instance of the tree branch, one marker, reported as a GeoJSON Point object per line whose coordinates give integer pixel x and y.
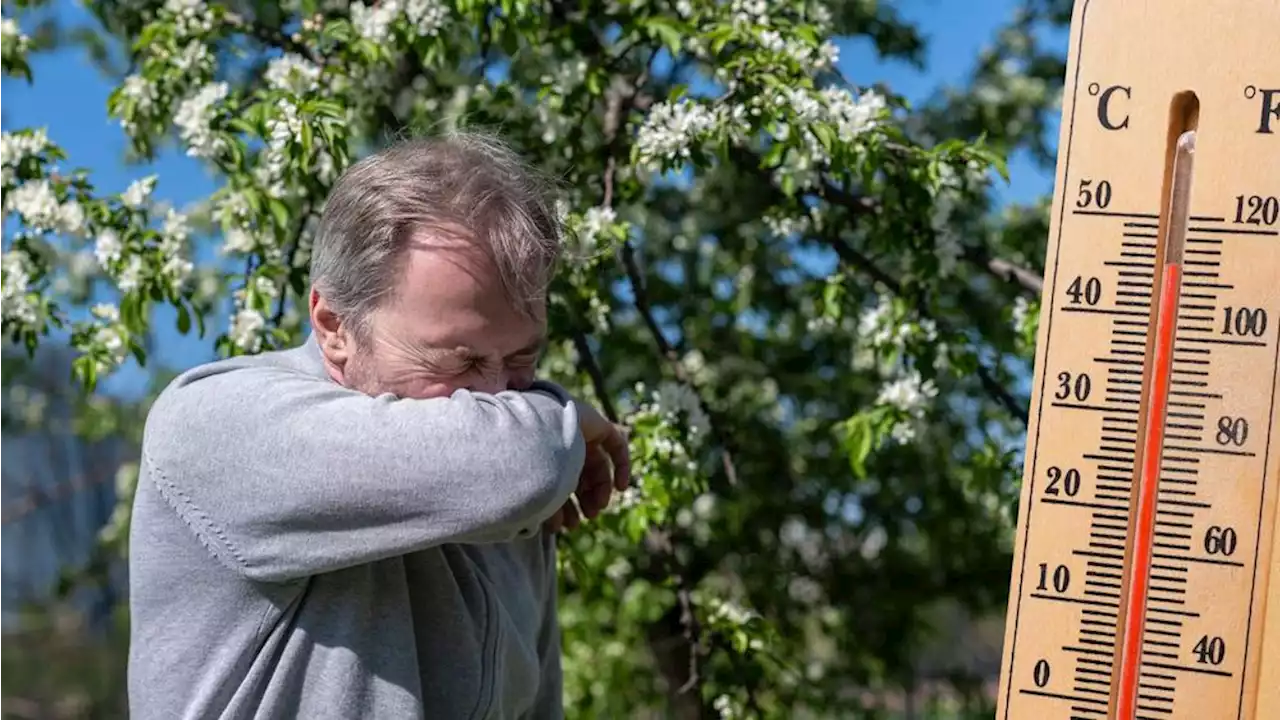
{"type": "Point", "coordinates": [1007, 271]}
{"type": "Point", "coordinates": [615, 109]}
{"type": "Point", "coordinates": [683, 624]}
{"type": "Point", "coordinates": [288, 265]}
{"type": "Point", "coordinates": [588, 361]}
{"type": "Point", "coordinates": [861, 205]}
{"type": "Point", "coordinates": [993, 388]}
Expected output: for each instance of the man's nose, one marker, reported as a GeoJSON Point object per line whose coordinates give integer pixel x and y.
{"type": "Point", "coordinates": [493, 384]}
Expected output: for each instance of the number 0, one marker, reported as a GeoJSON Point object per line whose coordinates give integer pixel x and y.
{"type": "Point", "coordinates": [1040, 674]}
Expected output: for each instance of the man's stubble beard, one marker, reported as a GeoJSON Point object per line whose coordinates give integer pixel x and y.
{"type": "Point", "coordinates": [360, 373]}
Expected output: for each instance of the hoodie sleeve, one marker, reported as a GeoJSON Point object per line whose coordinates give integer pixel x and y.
{"type": "Point", "coordinates": [284, 475]}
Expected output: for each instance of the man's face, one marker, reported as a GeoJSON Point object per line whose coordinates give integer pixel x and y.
{"type": "Point", "coordinates": [449, 326]}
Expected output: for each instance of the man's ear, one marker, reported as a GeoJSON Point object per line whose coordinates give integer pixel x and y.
{"type": "Point", "coordinates": [333, 338]}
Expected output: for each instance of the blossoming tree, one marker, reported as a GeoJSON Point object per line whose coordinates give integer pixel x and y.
{"type": "Point", "coordinates": [792, 287]}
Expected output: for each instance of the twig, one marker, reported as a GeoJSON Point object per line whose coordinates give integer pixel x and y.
{"type": "Point", "coordinates": [989, 383]}
{"type": "Point", "coordinates": [860, 205]}
{"type": "Point", "coordinates": [668, 352]}
{"type": "Point", "coordinates": [615, 108]}
{"type": "Point", "coordinates": [588, 361]}
{"type": "Point", "coordinates": [657, 539]}
{"type": "Point", "coordinates": [1005, 269]}
{"type": "Point", "coordinates": [293, 253]}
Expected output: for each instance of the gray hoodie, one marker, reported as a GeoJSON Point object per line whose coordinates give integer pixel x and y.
{"type": "Point", "coordinates": [299, 549]}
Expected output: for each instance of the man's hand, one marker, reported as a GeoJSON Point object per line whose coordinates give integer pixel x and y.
{"type": "Point", "coordinates": [607, 468]}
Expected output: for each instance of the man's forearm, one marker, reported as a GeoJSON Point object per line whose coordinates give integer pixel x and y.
{"type": "Point", "coordinates": [285, 475]}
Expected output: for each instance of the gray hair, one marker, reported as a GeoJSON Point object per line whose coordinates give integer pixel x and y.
{"type": "Point", "coordinates": [462, 180]}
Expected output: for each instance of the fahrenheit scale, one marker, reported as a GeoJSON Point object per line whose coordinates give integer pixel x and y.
{"type": "Point", "coordinates": [1145, 583]}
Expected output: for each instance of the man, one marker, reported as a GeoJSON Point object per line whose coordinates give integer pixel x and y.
{"type": "Point", "coordinates": [363, 526]}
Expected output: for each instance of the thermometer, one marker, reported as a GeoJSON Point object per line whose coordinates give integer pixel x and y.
{"type": "Point", "coordinates": [1146, 574]}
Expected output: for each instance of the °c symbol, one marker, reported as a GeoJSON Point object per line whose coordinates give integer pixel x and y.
{"type": "Point", "coordinates": [1117, 120]}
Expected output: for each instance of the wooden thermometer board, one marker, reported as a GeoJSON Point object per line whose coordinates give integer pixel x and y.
{"type": "Point", "coordinates": [1145, 581]}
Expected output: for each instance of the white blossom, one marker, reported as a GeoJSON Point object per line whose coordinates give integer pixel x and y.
{"type": "Point", "coordinates": [725, 707]}
{"type": "Point", "coordinates": [1021, 312]}
{"type": "Point", "coordinates": [875, 322]}
{"type": "Point", "coordinates": [704, 506]}
{"type": "Point", "coordinates": [237, 240]}
{"type": "Point", "coordinates": [37, 203]}
{"type": "Point", "coordinates": [130, 277]}
{"type": "Point", "coordinates": [177, 269]}
{"type": "Point", "coordinates": [194, 119]}
{"type": "Point", "coordinates": [175, 230]}
{"type": "Point", "coordinates": [12, 37]}
{"type": "Point", "coordinates": [908, 393]}
{"type": "Point", "coordinates": [374, 23]}
{"type": "Point", "coordinates": [595, 224]}
{"type": "Point", "coordinates": [425, 17]}
{"type": "Point", "coordinates": [820, 15]}
{"type": "Point", "coordinates": [141, 90]}
{"type": "Point", "coordinates": [246, 329]}
{"type": "Point", "coordinates": [18, 305]}
{"type": "Point", "coordinates": [325, 169]}
{"type": "Point", "coordinates": [732, 612]}
{"type": "Point", "coordinates": [194, 59]}
{"type": "Point", "coordinates": [786, 225]}
{"type": "Point", "coordinates": [138, 192]}
{"type": "Point", "coordinates": [798, 50]}
{"type": "Point", "coordinates": [293, 73]}
{"type": "Point", "coordinates": [266, 287]}
{"type": "Point", "coordinates": [17, 147]}
{"type": "Point", "coordinates": [143, 93]}
{"type": "Point", "coordinates": [108, 247]}
{"type": "Point", "coordinates": [173, 237]}
{"type": "Point", "coordinates": [113, 340]}
{"type": "Point", "coordinates": [232, 208]}
{"type": "Point", "coordinates": [852, 116]}
{"type": "Point", "coordinates": [750, 12]}
{"type": "Point", "coordinates": [282, 129]}
{"type": "Point", "coordinates": [628, 498]}
{"type": "Point", "coordinates": [191, 17]}
{"type": "Point", "coordinates": [680, 398]}
{"type": "Point", "coordinates": [106, 311]}
{"type": "Point", "coordinates": [902, 433]}
{"type": "Point", "coordinates": [671, 129]}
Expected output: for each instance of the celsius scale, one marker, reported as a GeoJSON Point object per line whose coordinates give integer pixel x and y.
{"type": "Point", "coordinates": [1146, 570]}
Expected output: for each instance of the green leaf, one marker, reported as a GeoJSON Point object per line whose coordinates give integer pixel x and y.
{"type": "Point", "coordinates": [664, 30]}
{"type": "Point", "coordinates": [184, 319]}
{"type": "Point", "coordinates": [858, 442]}
{"type": "Point", "coordinates": [280, 212]}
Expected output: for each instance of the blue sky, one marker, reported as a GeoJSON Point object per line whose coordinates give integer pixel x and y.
{"type": "Point", "coordinates": [69, 100]}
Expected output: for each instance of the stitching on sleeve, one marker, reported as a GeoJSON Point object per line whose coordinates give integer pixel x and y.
{"type": "Point", "coordinates": [201, 525]}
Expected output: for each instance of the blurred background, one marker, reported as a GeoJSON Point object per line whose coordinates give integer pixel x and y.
{"type": "Point", "coordinates": [912, 530]}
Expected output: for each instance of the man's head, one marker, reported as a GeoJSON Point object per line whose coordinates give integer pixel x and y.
{"type": "Point", "coordinates": [430, 269]}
